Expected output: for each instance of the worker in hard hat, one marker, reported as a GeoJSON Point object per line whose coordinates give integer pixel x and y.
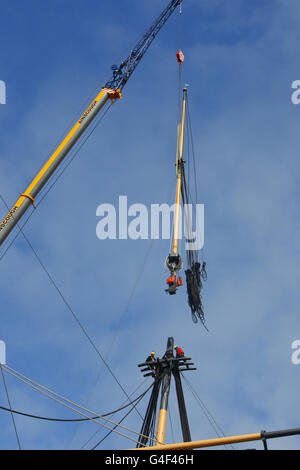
{"type": "Point", "coordinates": [179, 351]}
{"type": "Point", "coordinates": [151, 358]}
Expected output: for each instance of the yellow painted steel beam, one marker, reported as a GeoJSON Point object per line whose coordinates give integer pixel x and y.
{"type": "Point", "coordinates": [161, 427]}
{"type": "Point", "coordinates": [206, 443]}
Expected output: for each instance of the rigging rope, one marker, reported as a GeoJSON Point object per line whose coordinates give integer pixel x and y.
{"type": "Point", "coordinates": [216, 427]}
{"type": "Point", "coordinates": [9, 403]}
{"type": "Point", "coordinates": [122, 419]}
{"type": "Point", "coordinates": [96, 432]}
{"type": "Point", "coordinates": [30, 415]}
{"type": "Point", "coordinates": [129, 299]}
{"type": "Point", "coordinates": [195, 272]}
{"type": "Point", "coordinates": [122, 316]}
{"type": "Point", "coordinates": [128, 302]}
{"type": "Point", "coordinates": [72, 311]}
{"type": "Point", "coordinates": [35, 386]}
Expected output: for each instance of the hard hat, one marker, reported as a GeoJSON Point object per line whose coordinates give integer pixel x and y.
{"type": "Point", "coordinates": [152, 353]}
{"type": "Point", "coordinates": [175, 347]}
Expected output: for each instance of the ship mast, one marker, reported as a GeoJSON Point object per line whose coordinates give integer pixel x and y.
{"type": "Point", "coordinates": [174, 260]}
{"type": "Point", "coordinates": [162, 370]}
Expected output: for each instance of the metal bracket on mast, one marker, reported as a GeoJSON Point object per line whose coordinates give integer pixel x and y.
{"type": "Point", "coordinates": [264, 440]}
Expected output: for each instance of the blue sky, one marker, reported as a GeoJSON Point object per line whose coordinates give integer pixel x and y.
{"type": "Point", "coordinates": [240, 62]}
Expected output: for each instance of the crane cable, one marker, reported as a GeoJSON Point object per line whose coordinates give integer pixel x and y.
{"type": "Point", "coordinates": [195, 272]}
{"type": "Point", "coordinates": [191, 141]}
{"type": "Point", "coordinates": [9, 404]}
{"type": "Point", "coordinates": [31, 383]}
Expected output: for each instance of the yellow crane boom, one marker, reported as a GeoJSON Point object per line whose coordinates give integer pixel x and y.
{"type": "Point", "coordinates": [28, 197]}
{"type": "Point", "coordinates": [111, 90]}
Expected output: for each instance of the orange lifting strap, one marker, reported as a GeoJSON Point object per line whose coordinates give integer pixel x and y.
{"type": "Point", "coordinates": [171, 280]}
